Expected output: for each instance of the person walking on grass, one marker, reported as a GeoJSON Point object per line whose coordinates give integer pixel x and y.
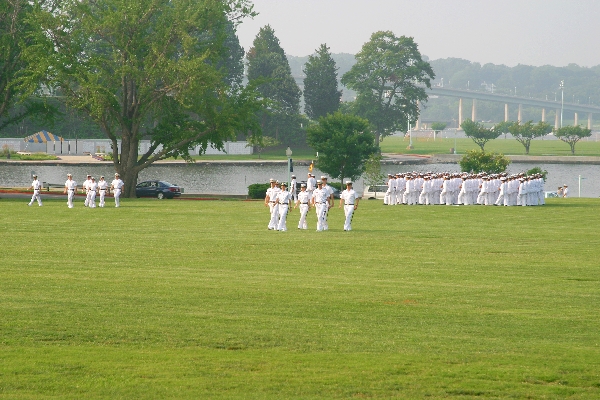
{"type": "Point", "coordinates": [304, 202]}
{"type": "Point", "coordinates": [85, 188]}
{"type": "Point", "coordinates": [319, 201]}
{"type": "Point", "coordinates": [271, 202]}
{"type": "Point", "coordinates": [70, 188]}
{"type": "Point", "coordinates": [92, 190]}
{"type": "Point", "coordinates": [102, 189]}
{"type": "Point", "coordinates": [329, 196]}
{"type": "Point", "coordinates": [283, 202]}
{"type": "Point", "coordinates": [349, 200]}
{"type": "Point", "coordinates": [116, 186]}
{"type": "Point", "coordinates": [37, 187]}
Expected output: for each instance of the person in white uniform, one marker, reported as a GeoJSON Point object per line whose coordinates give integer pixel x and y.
{"type": "Point", "coordinates": [70, 188]}
{"type": "Point", "coordinates": [304, 202]}
{"type": "Point", "coordinates": [92, 190]}
{"type": "Point", "coordinates": [349, 200]}
{"type": "Point", "coordinates": [102, 189]}
{"type": "Point", "coordinates": [271, 202]}
{"type": "Point", "coordinates": [311, 184]}
{"type": "Point", "coordinates": [319, 201]}
{"type": "Point", "coordinates": [565, 191]}
{"type": "Point", "coordinates": [116, 186]}
{"type": "Point", "coordinates": [292, 187]}
{"type": "Point", "coordinates": [283, 203]}
{"type": "Point", "coordinates": [387, 198]}
{"type": "Point", "coordinates": [328, 189]}
{"type": "Point", "coordinates": [37, 187]}
{"type": "Point", "coordinates": [85, 188]}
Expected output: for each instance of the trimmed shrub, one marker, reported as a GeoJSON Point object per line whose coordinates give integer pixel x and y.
{"type": "Point", "coordinates": [258, 190]}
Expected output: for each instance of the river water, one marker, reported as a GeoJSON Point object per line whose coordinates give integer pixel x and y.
{"type": "Point", "coordinates": [234, 178]}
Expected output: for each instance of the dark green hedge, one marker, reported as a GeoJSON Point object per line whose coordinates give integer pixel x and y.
{"type": "Point", "coordinates": [258, 190]}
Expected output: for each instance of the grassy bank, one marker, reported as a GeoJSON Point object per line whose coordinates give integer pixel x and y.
{"type": "Point", "coordinates": [195, 299]}
{"type": "Point", "coordinates": [395, 144]}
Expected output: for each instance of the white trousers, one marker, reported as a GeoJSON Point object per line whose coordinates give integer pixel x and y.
{"type": "Point", "coordinates": [274, 216]}
{"type": "Point", "coordinates": [348, 211]}
{"type": "Point", "coordinates": [36, 196]}
{"type": "Point", "coordinates": [283, 210]}
{"type": "Point", "coordinates": [102, 194]}
{"type": "Point", "coordinates": [92, 199]}
{"type": "Point", "coordinates": [321, 210]}
{"type": "Point", "coordinates": [70, 194]}
{"type": "Point", "coordinates": [303, 212]}
{"type": "Point", "coordinates": [117, 197]}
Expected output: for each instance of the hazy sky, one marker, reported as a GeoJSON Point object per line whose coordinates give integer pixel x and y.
{"type": "Point", "coordinates": [511, 32]}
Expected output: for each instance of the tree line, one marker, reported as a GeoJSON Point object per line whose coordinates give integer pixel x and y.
{"type": "Point", "coordinates": [523, 132]}
{"type": "Point", "coordinates": [171, 71]}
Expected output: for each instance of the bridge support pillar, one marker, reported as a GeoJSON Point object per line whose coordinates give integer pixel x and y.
{"type": "Point", "coordinates": [543, 115]}
{"type": "Point", "coordinates": [460, 112]}
{"type": "Point", "coordinates": [519, 116]}
{"type": "Point", "coordinates": [556, 119]}
{"type": "Point", "coordinates": [576, 120]}
{"type": "Point", "coordinates": [590, 121]}
{"type": "Point", "coordinates": [474, 111]}
{"type": "Point", "coordinates": [505, 112]}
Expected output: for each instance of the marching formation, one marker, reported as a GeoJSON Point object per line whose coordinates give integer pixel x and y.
{"type": "Point", "coordinates": [90, 187]}
{"type": "Point", "coordinates": [465, 189]}
{"type": "Point", "coordinates": [314, 193]}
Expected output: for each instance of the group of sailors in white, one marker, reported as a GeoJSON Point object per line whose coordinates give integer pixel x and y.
{"type": "Point", "coordinates": [465, 189]}
{"type": "Point", "coordinates": [314, 193]}
{"type": "Point", "coordinates": [90, 187]}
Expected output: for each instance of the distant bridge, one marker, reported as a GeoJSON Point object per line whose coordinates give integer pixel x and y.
{"type": "Point", "coordinates": [515, 100]}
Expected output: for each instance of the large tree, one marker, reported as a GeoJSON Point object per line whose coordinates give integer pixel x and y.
{"type": "Point", "coordinates": [343, 142]}
{"type": "Point", "coordinates": [479, 133]}
{"type": "Point", "coordinates": [15, 36]}
{"type": "Point", "coordinates": [151, 69]}
{"type": "Point", "coordinates": [572, 134]}
{"type": "Point", "coordinates": [321, 94]}
{"type": "Point", "coordinates": [269, 69]}
{"type": "Point", "coordinates": [389, 77]}
{"type": "Point", "coordinates": [525, 133]}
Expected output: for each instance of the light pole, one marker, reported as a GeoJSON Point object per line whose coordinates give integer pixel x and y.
{"type": "Point", "coordinates": [288, 153]}
{"type": "Point", "coordinates": [410, 144]}
{"type": "Point", "coordinates": [562, 101]}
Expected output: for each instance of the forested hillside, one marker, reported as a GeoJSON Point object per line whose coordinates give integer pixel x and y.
{"type": "Point", "coordinates": [582, 85]}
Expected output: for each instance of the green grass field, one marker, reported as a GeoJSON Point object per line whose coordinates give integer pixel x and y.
{"type": "Point", "coordinates": [422, 145]}
{"type": "Point", "coordinates": [396, 144]}
{"type": "Point", "coordinates": [197, 299]}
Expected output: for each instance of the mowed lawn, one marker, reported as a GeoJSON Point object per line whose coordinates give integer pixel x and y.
{"type": "Point", "coordinates": [197, 299]}
{"type": "Point", "coordinates": [422, 145]}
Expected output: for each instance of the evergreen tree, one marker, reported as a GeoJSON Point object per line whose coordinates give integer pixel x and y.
{"type": "Point", "coordinates": [269, 69]}
{"type": "Point", "coordinates": [321, 94]}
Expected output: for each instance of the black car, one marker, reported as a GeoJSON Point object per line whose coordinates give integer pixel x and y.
{"type": "Point", "coordinates": [158, 189]}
